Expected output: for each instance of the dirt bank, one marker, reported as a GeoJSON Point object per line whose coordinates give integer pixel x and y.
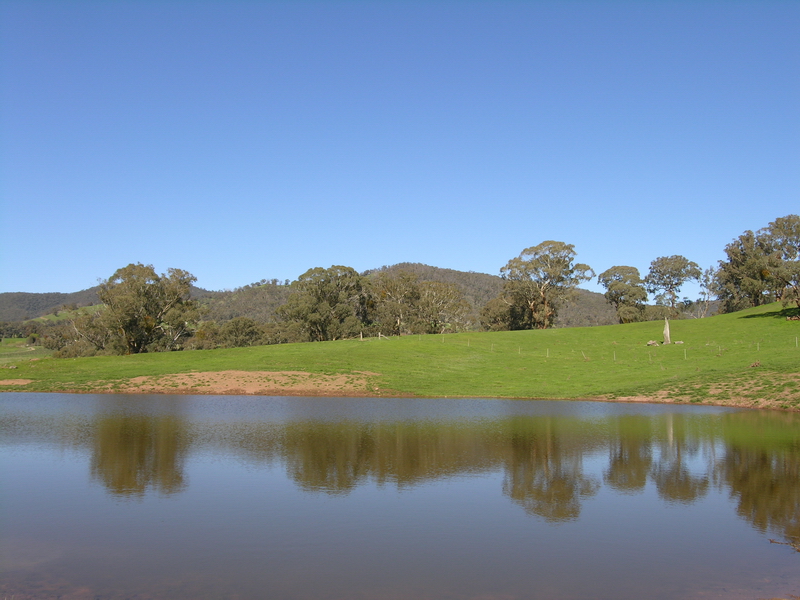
{"type": "Point", "coordinates": [260, 383]}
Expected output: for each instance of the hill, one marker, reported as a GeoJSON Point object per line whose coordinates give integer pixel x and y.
{"type": "Point", "coordinates": [22, 306]}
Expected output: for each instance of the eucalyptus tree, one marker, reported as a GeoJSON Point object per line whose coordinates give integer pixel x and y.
{"type": "Point", "coordinates": [396, 299]}
{"type": "Point", "coordinates": [761, 266]}
{"type": "Point", "coordinates": [708, 290]}
{"type": "Point", "coordinates": [540, 280]}
{"type": "Point", "coordinates": [745, 278]}
{"type": "Point", "coordinates": [144, 311]}
{"type": "Point", "coordinates": [441, 307]}
{"type": "Point", "coordinates": [667, 275]}
{"type": "Point", "coordinates": [625, 292]}
{"type": "Point", "coordinates": [784, 236]}
{"type": "Point", "coordinates": [240, 332]}
{"type": "Point", "coordinates": [329, 304]}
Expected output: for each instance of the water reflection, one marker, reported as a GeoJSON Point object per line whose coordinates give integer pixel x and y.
{"type": "Point", "coordinates": [544, 469]}
{"type": "Point", "coordinates": [766, 487]}
{"type": "Point", "coordinates": [630, 455]}
{"type": "Point", "coordinates": [673, 479]}
{"type": "Point", "coordinates": [754, 456]}
{"type": "Point", "coordinates": [133, 453]}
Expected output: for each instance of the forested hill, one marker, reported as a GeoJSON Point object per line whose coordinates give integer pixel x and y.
{"type": "Point", "coordinates": [21, 306]}
{"type": "Point", "coordinates": [258, 301]}
{"type": "Point", "coordinates": [478, 288]}
{"type": "Point", "coordinates": [588, 308]}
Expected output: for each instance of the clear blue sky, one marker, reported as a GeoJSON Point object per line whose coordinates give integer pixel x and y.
{"type": "Point", "coordinates": [250, 140]}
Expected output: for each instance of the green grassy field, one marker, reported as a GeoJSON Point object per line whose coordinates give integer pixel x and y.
{"type": "Point", "coordinates": [64, 315]}
{"type": "Point", "coordinates": [749, 358]}
{"type": "Point", "coordinates": [15, 350]}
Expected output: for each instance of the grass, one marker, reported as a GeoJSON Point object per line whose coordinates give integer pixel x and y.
{"type": "Point", "coordinates": [15, 350]}
{"type": "Point", "coordinates": [713, 364]}
{"type": "Point", "coordinates": [64, 315]}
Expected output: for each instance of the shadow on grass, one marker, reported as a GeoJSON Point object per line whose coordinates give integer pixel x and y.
{"type": "Point", "coordinates": [786, 313]}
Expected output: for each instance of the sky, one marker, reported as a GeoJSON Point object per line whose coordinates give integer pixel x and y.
{"type": "Point", "coordinates": [246, 140]}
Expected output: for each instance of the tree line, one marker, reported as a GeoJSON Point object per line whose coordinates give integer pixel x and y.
{"type": "Point", "coordinates": [143, 311]}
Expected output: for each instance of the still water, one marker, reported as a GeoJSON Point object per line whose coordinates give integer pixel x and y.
{"type": "Point", "coordinates": [109, 496]}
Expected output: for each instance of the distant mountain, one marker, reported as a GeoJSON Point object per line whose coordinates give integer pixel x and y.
{"type": "Point", "coordinates": [259, 300]}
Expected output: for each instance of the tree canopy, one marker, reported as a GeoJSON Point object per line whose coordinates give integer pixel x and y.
{"type": "Point", "coordinates": [328, 304]}
{"type": "Point", "coordinates": [667, 275]}
{"type": "Point", "coordinates": [625, 292]}
{"type": "Point", "coordinates": [146, 311]}
{"type": "Point", "coordinates": [761, 267]}
{"type": "Point", "coordinates": [745, 278]}
{"type": "Point", "coordinates": [539, 281]}
{"type": "Point", "coordinates": [784, 236]}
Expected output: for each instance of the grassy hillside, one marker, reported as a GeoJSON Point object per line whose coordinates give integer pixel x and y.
{"type": "Point", "coordinates": [750, 358]}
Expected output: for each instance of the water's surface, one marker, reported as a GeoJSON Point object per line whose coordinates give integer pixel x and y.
{"type": "Point", "coordinates": [247, 497]}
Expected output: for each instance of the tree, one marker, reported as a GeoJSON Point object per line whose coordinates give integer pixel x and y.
{"type": "Point", "coordinates": [746, 278]}
{"type": "Point", "coordinates": [329, 304]}
{"type": "Point", "coordinates": [396, 297]}
{"type": "Point", "coordinates": [667, 275]}
{"type": "Point", "coordinates": [240, 332]}
{"type": "Point", "coordinates": [145, 311]}
{"type": "Point", "coordinates": [499, 315]}
{"type": "Point", "coordinates": [783, 235]}
{"type": "Point", "coordinates": [540, 280]}
{"type": "Point", "coordinates": [625, 292]}
{"type": "Point", "coordinates": [441, 307]}
{"type": "Point", "coordinates": [708, 289]}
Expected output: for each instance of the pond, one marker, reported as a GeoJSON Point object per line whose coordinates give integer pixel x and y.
{"type": "Point", "coordinates": [112, 496]}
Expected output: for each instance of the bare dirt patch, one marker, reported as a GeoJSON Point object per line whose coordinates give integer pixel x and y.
{"type": "Point", "coordinates": [662, 397]}
{"type": "Point", "coordinates": [261, 383]}
{"type": "Point", "coordinates": [15, 381]}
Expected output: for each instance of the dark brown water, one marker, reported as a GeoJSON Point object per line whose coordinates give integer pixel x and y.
{"type": "Point", "coordinates": [245, 497]}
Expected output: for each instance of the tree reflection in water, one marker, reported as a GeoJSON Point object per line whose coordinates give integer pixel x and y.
{"type": "Point", "coordinates": [630, 455]}
{"type": "Point", "coordinates": [674, 481]}
{"type": "Point", "coordinates": [755, 456]}
{"type": "Point", "coordinates": [544, 470]}
{"type": "Point", "coordinates": [766, 486]}
{"type": "Point", "coordinates": [132, 453]}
